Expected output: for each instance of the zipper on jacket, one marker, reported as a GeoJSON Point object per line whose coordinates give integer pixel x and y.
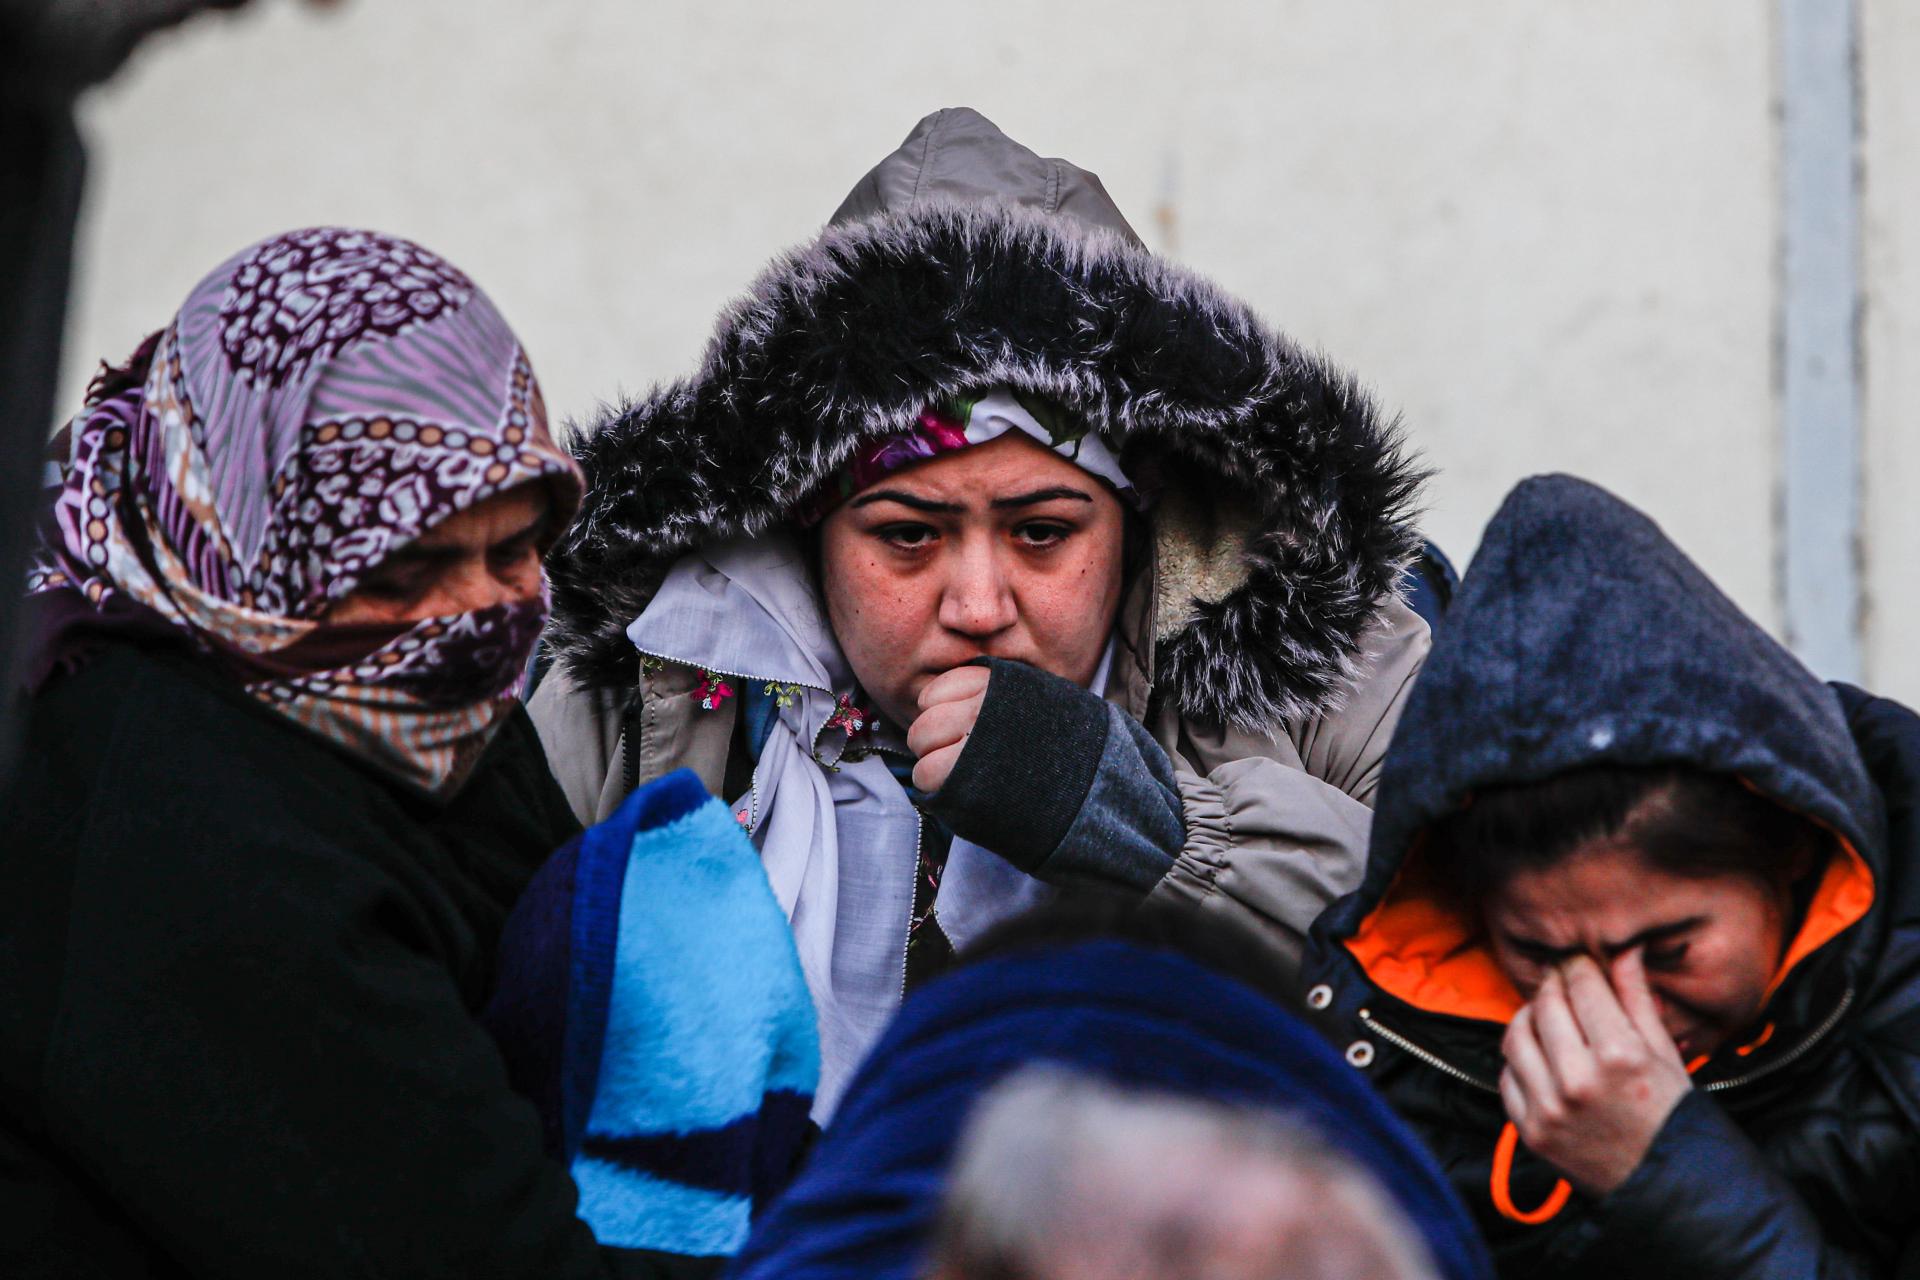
{"type": "Point", "coordinates": [906, 947]}
{"type": "Point", "coordinates": [753, 801]}
{"type": "Point", "coordinates": [1785, 1060]}
{"type": "Point", "coordinates": [1427, 1056]}
{"type": "Point", "coordinates": [1792, 1055]}
{"type": "Point", "coordinates": [635, 725]}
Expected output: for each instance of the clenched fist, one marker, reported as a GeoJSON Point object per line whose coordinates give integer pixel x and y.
{"type": "Point", "coordinates": [949, 706]}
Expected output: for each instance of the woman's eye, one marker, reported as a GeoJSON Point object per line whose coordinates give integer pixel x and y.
{"type": "Point", "coordinates": [1043, 533]}
{"type": "Point", "coordinates": [1665, 957]}
{"type": "Point", "coordinates": [394, 582]}
{"type": "Point", "coordinates": [398, 587]}
{"type": "Point", "coordinates": [908, 537]}
{"type": "Point", "coordinates": [509, 555]}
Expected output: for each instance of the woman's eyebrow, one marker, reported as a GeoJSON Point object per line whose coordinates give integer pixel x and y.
{"type": "Point", "coordinates": [954, 508]}
{"type": "Point", "coordinates": [1038, 496]}
{"type": "Point", "coordinates": [1657, 933]}
{"type": "Point", "coordinates": [907, 500]}
{"type": "Point", "coordinates": [1534, 947]}
{"type": "Point", "coordinates": [1651, 934]}
{"type": "Point", "coordinates": [538, 529]}
{"type": "Point", "coordinates": [425, 547]}
{"type": "Point", "coordinates": [416, 553]}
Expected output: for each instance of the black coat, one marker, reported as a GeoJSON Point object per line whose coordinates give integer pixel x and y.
{"type": "Point", "coordinates": [1582, 636]}
{"type": "Point", "coordinates": [240, 974]}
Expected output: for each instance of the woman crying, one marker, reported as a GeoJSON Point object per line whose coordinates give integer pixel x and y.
{"type": "Point", "coordinates": [1637, 949]}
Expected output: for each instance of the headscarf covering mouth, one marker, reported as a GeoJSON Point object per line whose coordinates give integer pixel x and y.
{"type": "Point", "coordinates": [321, 400]}
{"type": "Point", "coordinates": [951, 425]}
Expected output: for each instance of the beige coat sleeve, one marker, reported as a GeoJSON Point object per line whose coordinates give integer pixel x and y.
{"type": "Point", "coordinates": [1276, 830]}
{"type": "Point", "coordinates": [580, 730]}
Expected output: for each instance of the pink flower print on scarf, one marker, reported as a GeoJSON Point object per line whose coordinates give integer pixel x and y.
{"type": "Point", "coordinates": [851, 719]}
{"type": "Point", "coordinates": [712, 690]}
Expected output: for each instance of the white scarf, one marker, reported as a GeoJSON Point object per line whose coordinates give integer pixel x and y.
{"type": "Point", "coordinates": [839, 839]}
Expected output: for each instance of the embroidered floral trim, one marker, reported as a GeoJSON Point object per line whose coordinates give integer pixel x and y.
{"type": "Point", "coordinates": [849, 717]}
{"type": "Point", "coordinates": [856, 723]}
{"type": "Point", "coordinates": [712, 690]}
{"type": "Point", "coordinates": [783, 695]}
{"type": "Point", "coordinates": [651, 666]}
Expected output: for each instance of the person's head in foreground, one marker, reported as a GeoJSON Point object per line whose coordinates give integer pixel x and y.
{"type": "Point", "coordinates": [1060, 1176]}
{"type": "Point", "coordinates": [1629, 952]}
{"type": "Point", "coordinates": [278, 792]}
{"type": "Point", "coordinates": [1218, 1119]}
{"type": "Point", "coordinates": [987, 552]}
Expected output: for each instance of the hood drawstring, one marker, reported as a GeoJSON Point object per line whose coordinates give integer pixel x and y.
{"type": "Point", "coordinates": [1502, 1188]}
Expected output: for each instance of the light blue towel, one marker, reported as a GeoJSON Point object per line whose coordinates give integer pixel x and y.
{"type": "Point", "coordinates": [651, 1003]}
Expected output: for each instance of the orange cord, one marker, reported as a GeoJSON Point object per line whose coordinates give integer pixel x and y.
{"type": "Point", "coordinates": [1509, 1143]}
{"type": "Point", "coordinates": [1502, 1188]}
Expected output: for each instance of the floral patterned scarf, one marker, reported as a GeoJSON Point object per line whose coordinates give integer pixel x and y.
{"type": "Point", "coordinates": [321, 400]}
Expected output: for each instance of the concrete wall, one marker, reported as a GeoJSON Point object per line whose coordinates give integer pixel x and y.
{"type": "Point", "coordinates": [1547, 233]}
{"type": "Point", "coordinates": [1890, 119]}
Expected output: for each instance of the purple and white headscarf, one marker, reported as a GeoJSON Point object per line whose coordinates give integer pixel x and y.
{"type": "Point", "coordinates": [321, 400]}
{"type": "Point", "coordinates": [962, 422]}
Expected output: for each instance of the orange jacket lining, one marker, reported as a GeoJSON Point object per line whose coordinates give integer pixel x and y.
{"type": "Point", "coordinates": [1420, 950]}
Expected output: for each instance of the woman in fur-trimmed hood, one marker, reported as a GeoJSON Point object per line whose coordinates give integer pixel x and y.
{"type": "Point", "coordinates": [983, 530]}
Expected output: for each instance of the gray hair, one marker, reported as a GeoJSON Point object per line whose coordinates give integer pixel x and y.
{"type": "Point", "coordinates": [1060, 1176]}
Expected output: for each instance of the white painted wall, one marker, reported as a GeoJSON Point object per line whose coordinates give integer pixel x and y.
{"type": "Point", "coordinates": [1891, 279]}
{"type": "Point", "coordinates": [1546, 232]}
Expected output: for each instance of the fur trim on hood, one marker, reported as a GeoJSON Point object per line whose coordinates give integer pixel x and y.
{"type": "Point", "coordinates": [1282, 524]}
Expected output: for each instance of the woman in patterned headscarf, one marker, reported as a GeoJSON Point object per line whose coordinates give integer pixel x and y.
{"type": "Point", "coordinates": [278, 792]}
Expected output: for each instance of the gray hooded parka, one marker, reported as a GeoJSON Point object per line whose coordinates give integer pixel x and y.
{"type": "Point", "coordinates": [1261, 641]}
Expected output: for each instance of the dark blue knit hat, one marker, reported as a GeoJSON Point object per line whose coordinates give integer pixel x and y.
{"type": "Point", "coordinates": [1135, 1015]}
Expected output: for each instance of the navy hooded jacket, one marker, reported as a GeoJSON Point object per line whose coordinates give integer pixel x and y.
{"type": "Point", "coordinates": [1582, 636]}
{"type": "Point", "coordinates": [1135, 1015]}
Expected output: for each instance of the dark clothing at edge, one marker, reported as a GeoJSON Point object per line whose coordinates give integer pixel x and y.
{"type": "Point", "coordinates": [241, 971]}
{"type": "Point", "coordinates": [1582, 636]}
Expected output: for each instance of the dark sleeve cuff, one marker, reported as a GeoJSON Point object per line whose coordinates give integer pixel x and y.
{"type": "Point", "coordinates": [1027, 766]}
{"type": "Point", "coordinates": [1062, 784]}
{"type": "Point", "coordinates": [1704, 1205]}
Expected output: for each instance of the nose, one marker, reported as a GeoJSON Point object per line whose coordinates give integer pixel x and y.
{"type": "Point", "coordinates": [977, 599]}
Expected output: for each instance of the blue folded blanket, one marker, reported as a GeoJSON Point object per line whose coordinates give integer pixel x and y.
{"type": "Point", "coordinates": [652, 1006]}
